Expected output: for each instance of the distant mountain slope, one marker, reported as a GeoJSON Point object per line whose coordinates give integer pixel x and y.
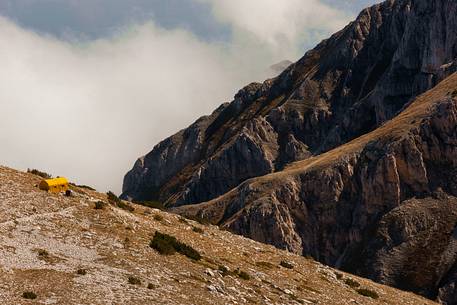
{"type": "Point", "coordinates": [350, 155]}
{"type": "Point", "coordinates": [347, 86]}
{"type": "Point", "coordinates": [383, 205]}
{"type": "Point", "coordinates": [63, 251]}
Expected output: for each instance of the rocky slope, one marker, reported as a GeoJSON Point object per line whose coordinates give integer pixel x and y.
{"type": "Point", "coordinates": [347, 86]}
{"type": "Point", "coordinates": [349, 155]}
{"type": "Point", "coordinates": [384, 205]}
{"type": "Point", "coordinates": [64, 251]}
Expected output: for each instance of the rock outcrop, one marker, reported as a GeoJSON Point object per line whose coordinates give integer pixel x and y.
{"type": "Point", "coordinates": [349, 155]}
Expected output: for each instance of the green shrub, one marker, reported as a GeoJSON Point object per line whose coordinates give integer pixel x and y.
{"type": "Point", "coordinates": [197, 230]}
{"type": "Point", "coordinates": [39, 173]}
{"type": "Point", "coordinates": [134, 280]}
{"type": "Point", "coordinates": [99, 205]}
{"type": "Point", "coordinates": [368, 293]}
{"type": "Point", "coordinates": [167, 245]}
{"type": "Point", "coordinates": [81, 272]}
{"type": "Point", "coordinates": [351, 283]}
{"type": "Point", "coordinates": [286, 264]}
{"type": "Point", "coordinates": [29, 295]}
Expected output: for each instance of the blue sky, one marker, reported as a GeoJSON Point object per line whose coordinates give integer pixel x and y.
{"type": "Point", "coordinates": [91, 19]}
{"type": "Point", "coordinates": [118, 76]}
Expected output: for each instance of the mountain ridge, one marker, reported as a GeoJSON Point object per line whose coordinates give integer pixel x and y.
{"type": "Point", "coordinates": [325, 159]}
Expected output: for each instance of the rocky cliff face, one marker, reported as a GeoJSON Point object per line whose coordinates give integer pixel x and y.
{"type": "Point", "coordinates": [383, 205]}
{"type": "Point", "coordinates": [349, 155]}
{"type": "Point", "coordinates": [348, 85]}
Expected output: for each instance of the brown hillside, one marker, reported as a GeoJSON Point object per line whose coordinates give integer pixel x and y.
{"type": "Point", "coordinates": [47, 238]}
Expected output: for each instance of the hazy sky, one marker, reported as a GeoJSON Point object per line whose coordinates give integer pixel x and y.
{"type": "Point", "coordinates": [87, 86]}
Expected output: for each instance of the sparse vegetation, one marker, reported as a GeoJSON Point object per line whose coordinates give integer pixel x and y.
{"type": "Point", "coordinates": [351, 283]}
{"type": "Point", "coordinates": [158, 217]}
{"type": "Point", "coordinates": [151, 204]}
{"type": "Point", "coordinates": [42, 253]}
{"type": "Point", "coordinates": [151, 286]}
{"type": "Point", "coordinates": [265, 265]}
{"type": "Point", "coordinates": [197, 230]}
{"type": "Point", "coordinates": [339, 276]}
{"type": "Point", "coordinates": [183, 220]}
{"type": "Point", "coordinates": [81, 272]}
{"type": "Point", "coordinates": [368, 293]}
{"type": "Point", "coordinates": [201, 220]}
{"type": "Point", "coordinates": [134, 280]}
{"type": "Point", "coordinates": [82, 186]}
{"type": "Point", "coordinates": [224, 270]}
{"type": "Point", "coordinates": [39, 173]}
{"type": "Point", "coordinates": [286, 264]}
{"type": "Point", "coordinates": [113, 199]}
{"type": "Point", "coordinates": [167, 245]}
{"type": "Point", "coordinates": [29, 295]}
{"type": "Point", "coordinates": [100, 205]}
{"type": "Point", "coordinates": [243, 274]}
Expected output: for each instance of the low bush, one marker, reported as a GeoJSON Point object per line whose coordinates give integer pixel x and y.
{"type": "Point", "coordinates": [134, 280]}
{"type": "Point", "coordinates": [29, 295]}
{"type": "Point", "coordinates": [167, 245]}
{"type": "Point", "coordinates": [243, 274]}
{"type": "Point", "coordinates": [82, 186]}
{"type": "Point", "coordinates": [99, 205]}
{"type": "Point", "coordinates": [351, 283]}
{"type": "Point", "coordinates": [158, 217]}
{"type": "Point", "coordinates": [224, 270]}
{"type": "Point", "coordinates": [151, 204]}
{"type": "Point", "coordinates": [81, 272]}
{"type": "Point", "coordinates": [266, 265]}
{"type": "Point", "coordinates": [201, 220]}
{"type": "Point", "coordinates": [39, 173]}
{"type": "Point", "coordinates": [42, 253]}
{"type": "Point", "coordinates": [122, 205]}
{"type": "Point", "coordinates": [113, 199]}
{"type": "Point", "coordinates": [286, 264]}
{"type": "Point", "coordinates": [197, 230]}
{"type": "Point", "coordinates": [183, 220]}
{"type": "Point", "coordinates": [151, 286]}
{"type": "Point", "coordinates": [368, 293]}
{"type": "Point", "coordinates": [454, 93]}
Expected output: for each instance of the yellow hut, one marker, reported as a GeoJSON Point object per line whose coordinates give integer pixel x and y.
{"type": "Point", "coordinates": [56, 185]}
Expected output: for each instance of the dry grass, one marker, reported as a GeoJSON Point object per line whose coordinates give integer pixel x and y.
{"type": "Point", "coordinates": [75, 235]}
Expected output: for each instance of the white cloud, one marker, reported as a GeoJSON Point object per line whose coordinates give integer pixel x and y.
{"type": "Point", "coordinates": [88, 111]}
{"type": "Point", "coordinates": [283, 24]}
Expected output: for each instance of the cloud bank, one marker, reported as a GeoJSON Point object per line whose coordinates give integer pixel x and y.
{"type": "Point", "coordinates": [88, 110]}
